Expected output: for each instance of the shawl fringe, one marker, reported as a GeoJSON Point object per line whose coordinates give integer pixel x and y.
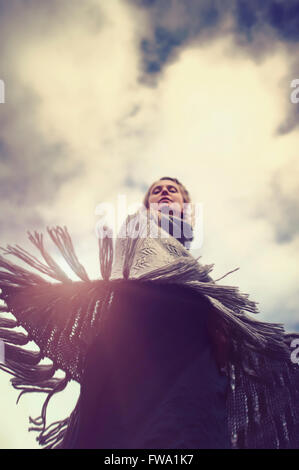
{"type": "Point", "coordinates": [37, 306]}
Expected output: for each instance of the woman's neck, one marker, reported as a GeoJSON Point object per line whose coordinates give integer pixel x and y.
{"type": "Point", "coordinates": [176, 227]}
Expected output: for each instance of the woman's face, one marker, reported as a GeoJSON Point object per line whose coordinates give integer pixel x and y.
{"type": "Point", "coordinates": [166, 193]}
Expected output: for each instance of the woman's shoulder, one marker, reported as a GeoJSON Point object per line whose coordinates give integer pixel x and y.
{"type": "Point", "coordinates": [133, 224]}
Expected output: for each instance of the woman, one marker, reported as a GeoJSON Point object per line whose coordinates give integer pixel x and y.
{"type": "Point", "coordinates": [166, 357]}
{"type": "Point", "coordinates": [150, 379]}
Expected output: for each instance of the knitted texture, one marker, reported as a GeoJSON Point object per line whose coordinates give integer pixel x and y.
{"type": "Point", "coordinates": [64, 317]}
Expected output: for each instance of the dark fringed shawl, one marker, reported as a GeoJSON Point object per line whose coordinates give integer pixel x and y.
{"type": "Point", "coordinates": [143, 379]}
{"type": "Point", "coordinates": [63, 319]}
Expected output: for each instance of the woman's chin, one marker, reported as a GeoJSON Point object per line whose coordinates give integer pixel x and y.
{"type": "Point", "coordinates": [164, 206]}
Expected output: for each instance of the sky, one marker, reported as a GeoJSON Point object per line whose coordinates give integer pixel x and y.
{"type": "Point", "coordinates": [103, 98]}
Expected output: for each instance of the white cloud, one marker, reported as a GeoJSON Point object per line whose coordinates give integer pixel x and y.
{"type": "Point", "coordinates": [210, 121]}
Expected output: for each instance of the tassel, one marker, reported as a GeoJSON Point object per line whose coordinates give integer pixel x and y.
{"type": "Point", "coordinates": [230, 272]}
{"type": "Point", "coordinates": [14, 337]}
{"type": "Point", "coordinates": [132, 228]}
{"type": "Point", "coordinates": [7, 322]}
{"type": "Point", "coordinates": [17, 276]}
{"type": "Point", "coordinates": [63, 241]}
{"type": "Point", "coordinates": [105, 251]}
{"type": "Point", "coordinates": [53, 435]}
{"type": "Point", "coordinates": [56, 271]}
{"type": "Point", "coordinates": [20, 355]}
{"type": "Point", "coordinates": [21, 276]}
{"type": "Point", "coordinates": [31, 260]}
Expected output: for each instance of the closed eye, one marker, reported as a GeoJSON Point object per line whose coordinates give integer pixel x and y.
{"type": "Point", "coordinates": [156, 190]}
{"type": "Point", "coordinates": [170, 188]}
